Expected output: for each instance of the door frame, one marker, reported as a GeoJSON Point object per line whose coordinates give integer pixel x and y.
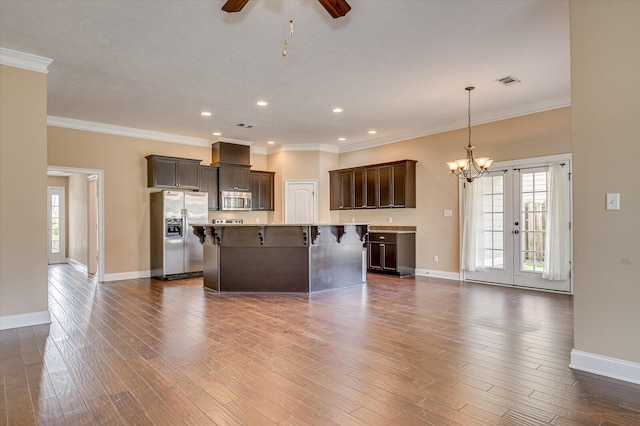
{"type": "Point", "coordinates": [100, 178]}
{"type": "Point", "coordinates": [522, 163]}
{"type": "Point", "coordinates": [287, 185]}
{"type": "Point", "coordinates": [62, 224]}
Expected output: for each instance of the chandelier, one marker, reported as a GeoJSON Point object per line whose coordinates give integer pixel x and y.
{"type": "Point", "coordinates": [469, 168]}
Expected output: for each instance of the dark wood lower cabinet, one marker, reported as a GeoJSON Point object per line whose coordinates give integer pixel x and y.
{"type": "Point", "coordinates": [392, 252]}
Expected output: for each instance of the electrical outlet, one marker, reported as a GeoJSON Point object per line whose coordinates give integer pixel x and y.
{"type": "Point", "coordinates": [257, 220]}
{"type": "Point", "coordinates": [435, 259]}
{"type": "Point", "coordinates": [448, 213]}
{"type": "Point", "coordinates": [390, 219]}
{"type": "Point", "coordinates": [353, 220]}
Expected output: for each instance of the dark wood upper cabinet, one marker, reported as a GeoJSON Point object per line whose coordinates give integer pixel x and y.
{"type": "Point", "coordinates": [341, 190]}
{"type": "Point", "coordinates": [359, 189]}
{"type": "Point", "coordinates": [230, 153]}
{"type": "Point", "coordinates": [347, 190]}
{"type": "Point", "coordinates": [172, 172]}
{"type": "Point", "coordinates": [372, 189]}
{"type": "Point", "coordinates": [387, 185]}
{"type": "Point", "coordinates": [335, 190]}
{"type": "Point", "coordinates": [261, 184]}
{"type": "Point", "coordinates": [209, 184]}
{"type": "Point", "coordinates": [233, 177]}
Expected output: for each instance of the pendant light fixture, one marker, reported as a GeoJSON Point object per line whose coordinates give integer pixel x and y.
{"type": "Point", "coordinates": [469, 168]}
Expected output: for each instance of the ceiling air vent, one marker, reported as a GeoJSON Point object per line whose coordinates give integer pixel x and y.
{"type": "Point", "coordinates": [244, 125]}
{"type": "Point", "coordinates": [508, 80]}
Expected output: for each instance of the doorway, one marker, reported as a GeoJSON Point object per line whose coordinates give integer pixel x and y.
{"type": "Point", "coordinates": [515, 196]}
{"type": "Point", "coordinates": [56, 217]}
{"type": "Point", "coordinates": [95, 237]}
{"type": "Point", "coordinates": [300, 201]}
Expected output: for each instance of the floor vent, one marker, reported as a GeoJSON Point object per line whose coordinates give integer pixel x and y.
{"type": "Point", "coordinates": [508, 80]}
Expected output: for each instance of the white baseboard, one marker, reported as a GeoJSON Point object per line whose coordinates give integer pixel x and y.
{"type": "Point", "coordinates": [605, 366]}
{"type": "Point", "coordinates": [25, 320]}
{"type": "Point", "coordinates": [438, 274]}
{"type": "Point", "coordinates": [80, 266]}
{"type": "Point", "coordinates": [126, 275]}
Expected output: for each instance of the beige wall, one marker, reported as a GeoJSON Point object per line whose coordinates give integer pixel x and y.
{"type": "Point", "coordinates": [303, 165]}
{"type": "Point", "coordinates": [126, 196]}
{"type": "Point", "coordinates": [534, 135]}
{"type": "Point", "coordinates": [605, 61]}
{"type": "Point", "coordinates": [63, 181]}
{"type": "Point", "coordinates": [23, 191]}
{"type": "Point", "coordinates": [77, 214]}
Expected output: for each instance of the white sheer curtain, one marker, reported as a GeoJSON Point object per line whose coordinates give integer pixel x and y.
{"type": "Point", "coordinates": [472, 227]}
{"type": "Point", "coordinates": [557, 237]}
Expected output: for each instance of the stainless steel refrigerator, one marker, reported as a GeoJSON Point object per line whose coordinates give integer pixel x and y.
{"type": "Point", "coordinates": [175, 251]}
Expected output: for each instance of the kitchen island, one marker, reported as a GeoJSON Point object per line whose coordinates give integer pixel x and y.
{"type": "Point", "coordinates": [300, 258]}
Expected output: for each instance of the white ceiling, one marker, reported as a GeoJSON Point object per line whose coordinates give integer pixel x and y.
{"type": "Point", "coordinates": [396, 66]}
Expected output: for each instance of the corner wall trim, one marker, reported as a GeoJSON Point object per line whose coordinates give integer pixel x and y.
{"type": "Point", "coordinates": [25, 320]}
{"type": "Point", "coordinates": [438, 274]}
{"type": "Point", "coordinates": [605, 366]}
{"type": "Point", "coordinates": [126, 275]}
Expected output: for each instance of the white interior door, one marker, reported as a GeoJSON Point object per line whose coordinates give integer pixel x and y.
{"type": "Point", "coordinates": [300, 202]}
{"type": "Point", "coordinates": [514, 212]}
{"type": "Point", "coordinates": [56, 224]}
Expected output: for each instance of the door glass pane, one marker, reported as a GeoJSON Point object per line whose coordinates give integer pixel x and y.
{"type": "Point", "coordinates": [55, 223]}
{"type": "Point", "coordinates": [533, 207]}
{"type": "Point", "coordinates": [493, 215]}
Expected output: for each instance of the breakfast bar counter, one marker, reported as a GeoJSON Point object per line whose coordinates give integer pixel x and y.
{"type": "Point", "coordinates": [301, 258]}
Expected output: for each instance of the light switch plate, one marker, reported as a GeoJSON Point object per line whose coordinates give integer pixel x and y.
{"type": "Point", "coordinates": [613, 201]}
{"type": "Point", "coordinates": [448, 213]}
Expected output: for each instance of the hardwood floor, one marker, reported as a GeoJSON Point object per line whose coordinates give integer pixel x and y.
{"type": "Point", "coordinates": [395, 352]}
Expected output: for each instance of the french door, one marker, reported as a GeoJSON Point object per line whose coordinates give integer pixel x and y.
{"type": "Point", "coordinates": [514, 212]}
{"type": "Point", "coordinates": [56, 224]}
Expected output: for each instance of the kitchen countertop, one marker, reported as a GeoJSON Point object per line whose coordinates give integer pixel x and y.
{"type": "Point", "coordinates": [393, 229]}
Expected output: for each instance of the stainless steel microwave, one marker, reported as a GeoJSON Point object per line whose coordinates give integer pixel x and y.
{"type": "Point", "coordinates": [235, 200]}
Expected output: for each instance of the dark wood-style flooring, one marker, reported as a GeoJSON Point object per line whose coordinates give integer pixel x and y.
{"type": "Point", "coordinates": [394, 352]}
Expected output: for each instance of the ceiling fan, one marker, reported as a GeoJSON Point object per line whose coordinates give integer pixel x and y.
{"type": "Point", "coordinates": [336, 8]}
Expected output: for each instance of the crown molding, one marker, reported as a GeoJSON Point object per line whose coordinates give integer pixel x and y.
{"type": "Point", "coordinates": [305, 147]}
{"type": "Point", "coordinates": [90, 126]}
{"type": "Point", "coordinates": [27, 61]}
{"type": "Point", "coordinates": [549, 105]}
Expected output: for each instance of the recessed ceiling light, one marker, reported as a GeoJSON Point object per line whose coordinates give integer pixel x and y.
{"type": "Point", "coordinates": [205, 114]}
{"type": "Point", "coordinates": [342, 139]}
{"type": "Point", "coordinates": [217, 134]}
{"type": "Point", "coordinates": [337, 110]}
{"type": "Point", "coordinates": [262, 103]}
{"type": "Point", "coordinates": [270, 142]}
{"type": "Point", "coordinates": [372, 132]}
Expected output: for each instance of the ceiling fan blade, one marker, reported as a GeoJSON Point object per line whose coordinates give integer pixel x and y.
{"type": "Point", "coordinates": [234, 5]}
{"type": "Point", "coordinates": [336, 8]}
